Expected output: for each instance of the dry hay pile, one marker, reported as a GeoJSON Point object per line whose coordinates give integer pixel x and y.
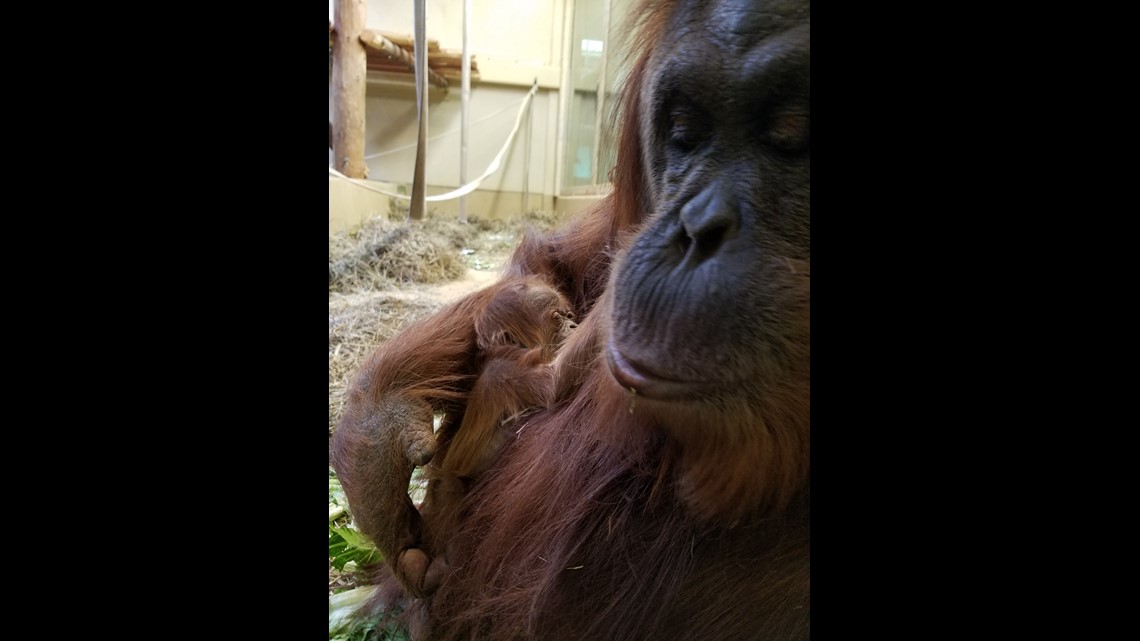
{"type": "Point", "coordinates": [357, 324]}
{"type": "Point", "coordinates": [380, 281]}
{"type": "Point", "coordinates": [377, 274]}
{"type": "Point", "coordinates": [381, 252]}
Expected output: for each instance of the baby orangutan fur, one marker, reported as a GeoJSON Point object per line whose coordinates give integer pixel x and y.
{"type": "Point", "coordinates": [478, 375]}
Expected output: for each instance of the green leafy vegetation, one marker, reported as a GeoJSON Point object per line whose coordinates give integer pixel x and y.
{"type": "Point", "coordinates": [343, 627]}
{"type": "Point", "coordinates": [347, 545]}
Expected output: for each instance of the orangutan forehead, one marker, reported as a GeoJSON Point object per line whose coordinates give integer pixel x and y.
{"type": "Point", "coordinates": [721, 68]}
{"type": "Point", "coordinates": [740, 23]}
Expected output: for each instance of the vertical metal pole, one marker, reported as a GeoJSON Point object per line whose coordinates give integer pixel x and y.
{"type": "Point", "coordinates": [565, 93]}
{"type": "Point", "coordinates": [526, 150]}
{"type": "Point", "coordinates": [464, 97]}
{"type": "Point", "coordinates": [418, 210]}
{"type": "Point", "coordinates": [602, 84]}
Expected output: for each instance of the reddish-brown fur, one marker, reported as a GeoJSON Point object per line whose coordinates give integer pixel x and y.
{"type": "Point", "coordinates": [596, 513]}
{"type": "Point", "coordinates": [480, 362]}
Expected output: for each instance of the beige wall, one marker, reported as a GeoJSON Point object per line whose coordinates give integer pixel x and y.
{"type": "Point", "coordinates": [391, 117]}
{"type": "Point", "coordinates": [350, 205]}
{"type": "Point", "coordinates": [514, 43]}
{"type": "Point", "coordinates": [525, 32]}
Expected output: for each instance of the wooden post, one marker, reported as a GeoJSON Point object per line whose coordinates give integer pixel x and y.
{"type": "Point", "coordinates": [349, 70]}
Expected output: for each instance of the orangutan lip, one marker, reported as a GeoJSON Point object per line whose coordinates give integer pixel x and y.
{"type": "Point", "coordinates": [635, 376]}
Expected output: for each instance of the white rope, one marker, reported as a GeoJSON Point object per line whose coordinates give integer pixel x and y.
{"type": "Point", "coordinates": [445, 134]}
{"type": "Point", "coordinates": [469, 187]}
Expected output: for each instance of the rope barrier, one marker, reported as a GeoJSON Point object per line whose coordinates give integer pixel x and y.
{"type": "Point", "coordinates": [464, 189]}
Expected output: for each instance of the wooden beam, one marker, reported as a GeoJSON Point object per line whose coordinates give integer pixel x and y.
{"type": "Point", "coordinates": [380, 44]}
{"type": "Point", "coordinates": [407, 41]}
{"type": "Point", "coordinates": [456, 74]}
{"type": "Point", "coordinates": [447, 73]}
{"type": "Point", "coordinates": [349, 80]}
{"type": "Point", "coordinates": [448, 58]}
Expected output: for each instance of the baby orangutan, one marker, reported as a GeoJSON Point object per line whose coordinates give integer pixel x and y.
{"type": "Point", "coordinates": [478, 375]}
{"type": "Point", "coordinates": [517, 336]}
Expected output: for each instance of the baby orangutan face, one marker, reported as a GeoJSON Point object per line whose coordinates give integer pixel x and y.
{"type": "Point", "coordinates": [525, 314]}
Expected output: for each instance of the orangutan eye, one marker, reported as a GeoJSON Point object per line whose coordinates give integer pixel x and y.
{"type": "Point", "coordinates": [790, 132]}
{"type": "Point", "coordinates": [687, 128]}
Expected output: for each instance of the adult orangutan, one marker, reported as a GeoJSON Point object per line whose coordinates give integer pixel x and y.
{"type": "Point", "coordinates": [658, 489]}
